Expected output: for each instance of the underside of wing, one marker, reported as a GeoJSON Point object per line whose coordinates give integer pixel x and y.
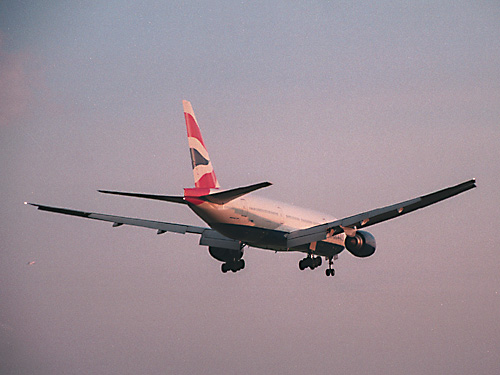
{"type": "Point", "coordinates": [160, 226]}
{"type": "Point", "coordinates": [365, 219]}
{"type": "Point", "coordinates": [209, 237]}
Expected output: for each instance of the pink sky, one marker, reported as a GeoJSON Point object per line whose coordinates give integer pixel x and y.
{"type": "Point", "coordinates": [344, 107]}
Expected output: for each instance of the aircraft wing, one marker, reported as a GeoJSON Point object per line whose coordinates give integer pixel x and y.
{"type": "Point", "coordinates": [161, 226]}
{"type": "Point", "coordinates": [365, 219]}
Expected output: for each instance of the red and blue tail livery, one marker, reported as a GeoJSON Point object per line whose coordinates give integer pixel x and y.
{"type": "Point", "coordinates": [203, 171]}
{"type": "Point", "coordinates": [237, 219]}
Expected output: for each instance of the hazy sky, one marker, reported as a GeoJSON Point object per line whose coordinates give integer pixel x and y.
{"type": "Point", "coordinates": [345, 106]}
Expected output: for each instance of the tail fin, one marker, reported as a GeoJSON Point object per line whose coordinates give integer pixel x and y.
{"type": "Point", "coordinates": [203, 171]}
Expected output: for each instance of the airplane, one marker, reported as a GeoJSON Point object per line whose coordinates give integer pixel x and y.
{"type": "Point", "coordinates": [237, 219]}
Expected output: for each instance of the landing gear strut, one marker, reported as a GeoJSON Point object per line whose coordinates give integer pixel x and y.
{"type": "Point", "coordinates": [233, 266]}
{"type": "Point", "coordinates": [310, 262]}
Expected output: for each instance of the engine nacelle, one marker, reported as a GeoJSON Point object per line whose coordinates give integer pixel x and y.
{"type": "Point", "coordinates": [361, 245]}
{"type": "Point", "coordinates": [225, 255]}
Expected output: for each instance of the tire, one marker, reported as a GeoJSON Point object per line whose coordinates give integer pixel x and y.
{"type": "Point", "coordinates": [302, 266]}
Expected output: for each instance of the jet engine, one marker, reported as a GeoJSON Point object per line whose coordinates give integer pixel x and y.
{"type": "Point", "coordinates": [224, 249]}
{"type": "Point", "coordinates": [361, 245]}
{"type": "Point", "coordinates": [225, 255]}
{"type": "Point", "coordinates": [231, 258]}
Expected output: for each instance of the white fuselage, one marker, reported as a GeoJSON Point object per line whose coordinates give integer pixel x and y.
{"type": "Point", "coordinates": [262, 222]}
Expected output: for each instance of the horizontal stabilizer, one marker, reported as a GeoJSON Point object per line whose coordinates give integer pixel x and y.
{"type": "Point", "coordinates": [167, 198]}
{"type": "Point", "coordinates": [224, 197]}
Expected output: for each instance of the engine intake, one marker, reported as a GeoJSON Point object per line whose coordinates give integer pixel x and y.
{"type": "Point", "coordinates": [361, 245]}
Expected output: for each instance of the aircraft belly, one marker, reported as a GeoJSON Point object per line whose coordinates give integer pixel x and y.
{"type": "Point", "coordinates": [272, 239]}
{"type": "Point", "coordinates": [254, 236]}
{"type": "Point", "coordinates": [256, 231]}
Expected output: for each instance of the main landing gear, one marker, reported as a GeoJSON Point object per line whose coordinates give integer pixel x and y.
{"type": "Point", "coordinates": [233, 266]}
{"type": "Point", "coordinates": [314, 262]}
{"type": "Point", "coordinates": [310, 262]}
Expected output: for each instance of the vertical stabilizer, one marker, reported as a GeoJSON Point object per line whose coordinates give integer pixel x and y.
{"type": "Point", "coordinates": [203, 171]}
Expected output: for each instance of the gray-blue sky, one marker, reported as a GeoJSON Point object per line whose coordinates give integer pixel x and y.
{"type": "Point", "coordinates": [345, 107]}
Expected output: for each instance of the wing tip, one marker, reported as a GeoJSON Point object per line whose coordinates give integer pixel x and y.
{"type": "Point", "coordinates": [471, 183]}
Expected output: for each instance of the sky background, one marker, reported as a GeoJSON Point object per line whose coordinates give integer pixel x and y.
{"type": "Point", "coordinates": [345, 106]}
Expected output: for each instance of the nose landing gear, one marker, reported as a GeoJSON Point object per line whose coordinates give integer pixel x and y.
{"type": "Point", "coordinates": [330, 271]}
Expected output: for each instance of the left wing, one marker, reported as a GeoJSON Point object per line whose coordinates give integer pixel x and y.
{"type": "Point", "coordinates": [352, 223]}
{"type": "Point", "coordinates": [209, 236]}
{"type": "Point", "coordinates": [161, 226]}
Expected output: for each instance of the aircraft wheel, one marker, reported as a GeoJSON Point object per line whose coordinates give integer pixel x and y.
{"type": "Point", "coordinates": [302, 266]}
{"type": "Point", "coordinates": [327, 272]}
{"type": "Point", "coordinates": [307, 262]}
{"type": "Point", "coordinates": [242, 264]}
{"type": "Point", "coordinates": [314, 262]}
{"type": "Point", "coordinates": [224, 268]}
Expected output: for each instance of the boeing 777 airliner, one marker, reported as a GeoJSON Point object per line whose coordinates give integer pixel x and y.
{"type": "Point", "coordinates": [236, 219]}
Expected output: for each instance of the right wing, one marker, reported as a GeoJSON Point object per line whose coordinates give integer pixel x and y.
{"type": "Point", "coordinates": [161, 226]}
{"type": "Point", "coordinates": [365, 219]}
